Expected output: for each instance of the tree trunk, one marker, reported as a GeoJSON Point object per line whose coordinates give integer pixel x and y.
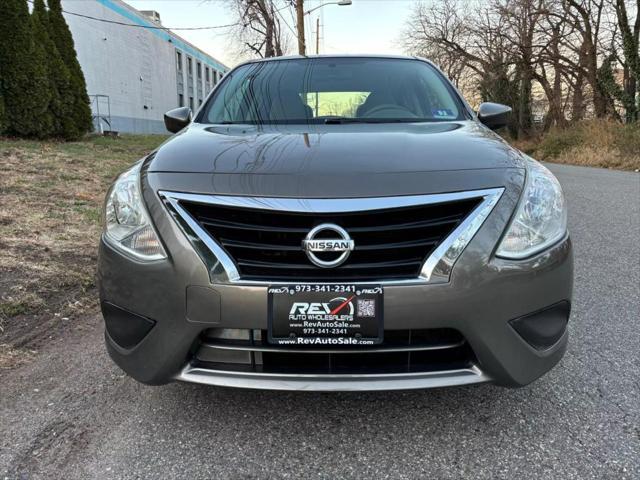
{"type": "Point", "coordinates": [524, 100]}
{"type": "Point", "coordinates": [577, 101]}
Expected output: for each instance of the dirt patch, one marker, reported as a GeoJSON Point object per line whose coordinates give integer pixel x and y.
{"type": "Point", "coordinates": [53, 447]}
{"type": "Point", "coordinates": [50, 222]}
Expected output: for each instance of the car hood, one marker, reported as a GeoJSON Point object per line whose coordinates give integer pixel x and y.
{"type": "Point", "coordinates": [339, 161]}
{"type": "Point", "coordinates": [336, 149]}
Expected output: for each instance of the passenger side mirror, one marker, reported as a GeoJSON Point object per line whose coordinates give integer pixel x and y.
{"type": "Point", "coordinates": [176, 119]}
{"type": "Point", "coordinates": [494, 115]}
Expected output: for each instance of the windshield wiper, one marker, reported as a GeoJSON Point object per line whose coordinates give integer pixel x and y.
{"type": "Point", "coordinates": [341, 120]}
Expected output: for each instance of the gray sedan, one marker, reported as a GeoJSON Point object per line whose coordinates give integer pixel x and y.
{"type": "Point", "coordinates": [336, 223]}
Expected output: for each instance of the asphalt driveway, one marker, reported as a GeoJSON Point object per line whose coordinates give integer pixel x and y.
{"type": "Point", "coordinates": [72, 414]}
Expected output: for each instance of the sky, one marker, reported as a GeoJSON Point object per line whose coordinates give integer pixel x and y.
{"type": "Point", "coordinates": [367, 26]}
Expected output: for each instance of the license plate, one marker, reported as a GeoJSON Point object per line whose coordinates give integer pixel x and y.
{"type": "Point", "coordinates": [325, 315]}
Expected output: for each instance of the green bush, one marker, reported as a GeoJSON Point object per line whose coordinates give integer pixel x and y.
{"type": "Point", "coordinates": [628, 139]}
{"type": "Point", "coordinates": [558, 141]}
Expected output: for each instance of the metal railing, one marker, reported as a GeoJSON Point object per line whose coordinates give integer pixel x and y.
{"type": "Point", "coordinates": [101, 112]}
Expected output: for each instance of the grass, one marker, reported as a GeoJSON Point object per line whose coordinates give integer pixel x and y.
{"type": "Point", "coordinates": [11, 357]}
{"type": "Point", "coordinates": [12, 308]}
{"type": "Point", "coordinates": [51, 198]}
{"type": "Point", "coordinates": [593, 143]}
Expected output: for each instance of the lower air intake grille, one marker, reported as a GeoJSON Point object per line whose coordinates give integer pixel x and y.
{"type": "Point", "coordinates": [403, 351]}
{"type": "Point", "coordinates": [389, 244]}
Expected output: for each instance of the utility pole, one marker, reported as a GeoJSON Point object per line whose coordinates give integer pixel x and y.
{"type": "Point", "coordinates": [318, 36]}
{"type": "Point", "coordinates": [302, 50]}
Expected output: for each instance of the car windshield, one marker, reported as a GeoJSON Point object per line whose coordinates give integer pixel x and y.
{"type": "Point", "coordinates": [333, 90]}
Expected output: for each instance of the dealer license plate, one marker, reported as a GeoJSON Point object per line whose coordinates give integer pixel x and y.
{"type": "Point", "coordinates": [325, 315]}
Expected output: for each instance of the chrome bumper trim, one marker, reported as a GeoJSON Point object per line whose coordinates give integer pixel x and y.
{"type": "Point", "coordinates": [284, 349]}
{"type": "Point", "coordinates": [332, 383]}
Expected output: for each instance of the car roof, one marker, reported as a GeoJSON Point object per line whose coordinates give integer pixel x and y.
{"type": "Point", "coordinates": [338, 55]}
{"type": "Point", "coordinates": [364, 55]}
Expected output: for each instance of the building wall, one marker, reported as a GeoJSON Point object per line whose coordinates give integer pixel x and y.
{"type": "Point", "coordinates": [135, 69]}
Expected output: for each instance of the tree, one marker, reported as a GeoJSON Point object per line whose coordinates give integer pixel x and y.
{"type": "Point", "coordinates": [562, 55]}
{"type": "Point", "coordinates": [549, 69]}
{"type": "Point", "coordinates": [522, 19]}
{"type": "Point", "coordinates": [24, 82]}
{"type": "Point", "coordinates": [437, 32]}
{"type": "Point", "coordinates": [470, 40]}
{"type": "Point", "coordinates": [61, 104]}
{"type": "Point", "coordinates": [587, 17]}
{"type": "Point", "coordinates": [79, 112]}
{"type": "Point", "coordinates": [41, 37]}
{"type": "Point", "coordinates": [2, 116]}
{"type": "Point", "coordinates": [2, 109]}
{"type": "Point", "coordinates": [259, 29]}
{"type": "Point", "coordinates": [629, 93]}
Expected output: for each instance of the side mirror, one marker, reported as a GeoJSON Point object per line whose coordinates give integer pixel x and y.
{"type": "Point", "coordinates": [494, 115]}
{"type": "Point", "coordinates": [176, 119]}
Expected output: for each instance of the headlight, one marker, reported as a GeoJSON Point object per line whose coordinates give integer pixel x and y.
{"type": "Point", "coordinates": [126, 222]}
{"type": "Point", "coordinates": [541, 217]}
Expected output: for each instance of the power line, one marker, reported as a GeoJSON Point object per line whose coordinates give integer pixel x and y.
{"type": "Point", "coordinates": [148, 27]}
{"type": "Point", "coordinates": [309, 27]}
{"type": "Point", "coordinates": [292, 12]}
{"type": "Point", "coordinates": [295, 34]}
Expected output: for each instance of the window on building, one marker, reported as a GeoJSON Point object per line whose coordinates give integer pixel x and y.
{"type": "Point", "coordinates": [180, 100]}
{"type": "Point", "coordinates": [206, 74]}
{"type": "Point", "coordinates": [190, 65]}
{"type": "Point", "coordinates": [199, 70]}
{"type": "Point", "coordinates": [215, 77]}
{"type": "Point", "coordinates": [179, 61]}
{"type": "Point", "coordinates": [191, 103]}
{"type": "Point", "coordinates": [199, 102]}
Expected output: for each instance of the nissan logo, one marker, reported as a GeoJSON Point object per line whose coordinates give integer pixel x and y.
{"type": "Point", "coordinates": [320, 240]}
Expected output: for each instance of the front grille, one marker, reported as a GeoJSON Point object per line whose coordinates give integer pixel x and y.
{"type": "Point", "coordinates": [403, 351]}
{"type": "Point", "coordinates": [389, 244]}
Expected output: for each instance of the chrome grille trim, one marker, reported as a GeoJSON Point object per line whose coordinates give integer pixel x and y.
{"type": "Point", "coordinates": [436, 269]}
{"type": "Point", "coordinates": [229, 267]}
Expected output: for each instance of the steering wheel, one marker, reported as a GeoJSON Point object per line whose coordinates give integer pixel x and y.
{"type": "Point", "coordinates": [390, 110]}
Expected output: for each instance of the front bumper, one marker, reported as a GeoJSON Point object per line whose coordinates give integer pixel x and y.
{"type": "Point", "coordinates": [333, 383]}
{"type": "Point", "coordinates": [484, 296]}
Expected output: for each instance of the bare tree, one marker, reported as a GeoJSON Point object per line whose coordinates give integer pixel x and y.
{"type": "Point", "coordinates": [564, 54]}
{"type": "Point", "coordinates": [521, 20]}
{"type": "Point", "coordinates": [588, 18]}
{"type": "Point", "coordinates": [463, 39]}
{"type": "Point", "coordinates": [549, 70]}
{"type": "Point", "coordinates": [259, 29]}
{"type": "Point", "coordinates": [437, 32]}
{"type": "Point", "coordinates": [469, 40]}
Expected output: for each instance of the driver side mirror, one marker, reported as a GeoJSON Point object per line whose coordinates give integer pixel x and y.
{"type": "Point", "coordinates": [494, 115]}
{"type": "Point", "coordinates": [176, 119]}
